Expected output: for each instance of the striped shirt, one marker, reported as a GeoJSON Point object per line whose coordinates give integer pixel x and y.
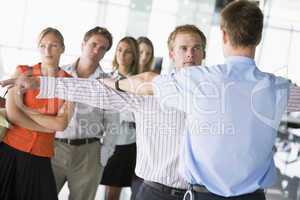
{"type": "Point", "coordinates": [158, 129]}
{"type": "Point", "coordinates": [294, 99]}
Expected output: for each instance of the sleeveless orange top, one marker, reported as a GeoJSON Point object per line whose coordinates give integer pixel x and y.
{"type": "Point", "coordinates": [34, 142]}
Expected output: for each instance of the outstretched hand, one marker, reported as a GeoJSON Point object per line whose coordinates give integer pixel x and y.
{"type": "Point", "coordinates": [22, 82]}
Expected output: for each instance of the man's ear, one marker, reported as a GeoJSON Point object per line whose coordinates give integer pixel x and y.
{"type": "Point", "coordinates": [224, 36]}
{"type": "Point", "coordinates": [171, 55]}
{"type": "Point", "coordinates": [204, 54]}
{"type": "Point", "coordinates": [82, 44]}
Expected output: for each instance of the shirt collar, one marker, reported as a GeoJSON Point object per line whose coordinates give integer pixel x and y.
{"type": "Point", "coordinates": [72, 70]}
{"type": "Point", "coordinates": [117, 75]}
{"type": "Point", "coordinates": [240, 59]}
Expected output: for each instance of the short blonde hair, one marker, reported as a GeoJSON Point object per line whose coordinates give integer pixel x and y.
{"type": "Point", "coordinates": [187, 28]}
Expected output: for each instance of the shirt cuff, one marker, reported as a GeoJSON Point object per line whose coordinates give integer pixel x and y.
{"type": "Point", "coordinates": [47, 87]}
{"type": "Point", "coordinates": [156, 82]}
{"type": "Point", "coordinates": [160, 85]}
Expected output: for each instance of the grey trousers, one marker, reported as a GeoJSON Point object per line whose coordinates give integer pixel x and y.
{"type": "Point", "coordinates": [80, 167]}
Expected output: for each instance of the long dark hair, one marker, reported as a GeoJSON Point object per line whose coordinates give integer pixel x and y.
{"type": "Point", "coordinates": [135, 52]}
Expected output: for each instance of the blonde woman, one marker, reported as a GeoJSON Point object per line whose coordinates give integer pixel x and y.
{"type": "Point", "coordinates": [119, 170]}
{"type": "Point", "coordinates": [146, 51]}
{"type": "Point", "coordinates": [25, 165]}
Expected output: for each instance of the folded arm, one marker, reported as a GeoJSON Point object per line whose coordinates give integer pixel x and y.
{"type": "Point", "coordinates": [15, 112]}
{"type": "Point", "coordinates": [16, 115]}
{"type": "Point", "coordinates": [58, 122]}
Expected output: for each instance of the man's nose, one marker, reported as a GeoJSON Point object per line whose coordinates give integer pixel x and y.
{"type": "Point", "coordinates": [96, 50]}
{"type": "Point", "coordinates": [190, 53]}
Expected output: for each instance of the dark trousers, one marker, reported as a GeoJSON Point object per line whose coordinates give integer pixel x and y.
{"type": "Point", "coordinates": [211, 196]}
{"type": "Point", "coordinates": [135, 186]}
{"type": "Point", "coordinates": [147, 192]}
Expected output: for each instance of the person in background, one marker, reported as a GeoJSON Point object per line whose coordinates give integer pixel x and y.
{"type": "Point", "coordinates": [2, 102]}
{"type": "Point", "coordinates": [120, 131]}
{"type": "Point", "coordinates": [146, 50]}
{"type": "Point", "coordinates": [77, 148]}
{"type": "Point", "coordinates": [25, 164]}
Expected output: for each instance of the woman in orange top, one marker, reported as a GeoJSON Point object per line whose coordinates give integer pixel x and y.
{"type": "Point", "coordinates": [25, 165]}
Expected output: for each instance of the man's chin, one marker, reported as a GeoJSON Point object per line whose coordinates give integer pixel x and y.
{"type": "Point", "coordinates": [189, 64]}
{"type": "Point", "coordinates": [95, 59]}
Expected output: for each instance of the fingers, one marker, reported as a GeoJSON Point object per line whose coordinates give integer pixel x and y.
{"type": "Point", "coordinates": [8, 82]}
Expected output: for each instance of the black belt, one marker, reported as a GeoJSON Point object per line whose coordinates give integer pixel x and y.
{"type": "Point", "coordinates": [202, 189]}
{"type": "Point", "coordinates": [199, 188]}
{"type": "Point", "coordinates": [77, 142]}
{"type": "Point", "coordinates": [165, 189]}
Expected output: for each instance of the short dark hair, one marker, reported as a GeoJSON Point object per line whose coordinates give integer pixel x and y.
{"type": "Point", "coordinates": [243, 22]}
{"type": "Point", "coordinates": [187, 28]}
{"type": "Point", "coordinates": [99, 31]}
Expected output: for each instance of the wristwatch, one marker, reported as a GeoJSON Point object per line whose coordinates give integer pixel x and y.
{"type": "Point", "coordinates": [117, 86]}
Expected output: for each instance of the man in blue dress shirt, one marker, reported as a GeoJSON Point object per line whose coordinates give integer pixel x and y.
{"type": "Point", "coordinates": [233, 111]}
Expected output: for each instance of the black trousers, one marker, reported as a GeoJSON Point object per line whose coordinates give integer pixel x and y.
{"type": "Point", "coordinates": [211, 196]}
{"type": "Point", "coordinates": [24, 176]}
{"type": "Point", "coordinates": [147, 192]}
{"type": "Point", "coordinates": [135, 186]}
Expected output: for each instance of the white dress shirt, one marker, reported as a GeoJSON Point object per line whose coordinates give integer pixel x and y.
{"type": "Point", "coordinates": [119, 129]}
{"type": "Point", "coordinates": [87, 121]}
{"type": "Point", "coordinates": [158, 130]}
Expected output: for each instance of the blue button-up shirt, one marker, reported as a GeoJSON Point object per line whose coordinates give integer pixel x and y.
{"type": "Point", "coordinates": [233, 111]}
